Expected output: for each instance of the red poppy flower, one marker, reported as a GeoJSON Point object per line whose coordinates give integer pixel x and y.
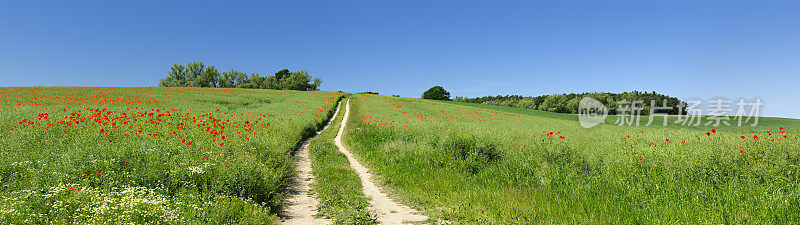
{"type": "Point", "coordinates": [79, 190]}
{"type": "Point", "coordinates": [755, 136]}
{"type": "Point", "coordinates": [667, 139]}
{"type": "Point", "coordinates": [101, 172]}
{"type": "Point", "coordinates": [684, 141]}
{"type": "Point", "coordinates": [708, 133]}
{"type": "Point", "coordinates": [462, 146]}
{"type": "Point", "coordinates": [742, 136]}
{"type": "Point", "coordinates": [221, 144]}
{"type": "Point", "coordinates": [714, 131]}
{"type": "Point", "coordinates": [780, 128]}
{"type": "Point", "coordinates": [84, 175]}
{"type": "Point", "coordinates": [741, 151]}
{"type": "Point", "coordinates": [190, 143]}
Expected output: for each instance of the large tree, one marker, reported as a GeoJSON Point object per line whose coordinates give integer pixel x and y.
{"type": "Point", "coordinates": [176, 77]}
{"type": "Point", "coordinates": [436, 93]}
{"type": "Point", "coordinates": [298, 80]}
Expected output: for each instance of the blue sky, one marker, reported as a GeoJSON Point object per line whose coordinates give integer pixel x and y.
{"type": "Point", "coordinates": [689, 49]}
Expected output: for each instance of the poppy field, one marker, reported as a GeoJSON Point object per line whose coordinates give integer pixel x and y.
{"type": "Point", "coordinates": [139, 155]}
{"type": "Point", "coordinates": [479, 164]}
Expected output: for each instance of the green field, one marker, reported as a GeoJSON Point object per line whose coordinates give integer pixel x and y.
{"type": "Point", "coordinates": [483, 164]}
{"type": "Point", "coordinates": [224, 156]}
{"type": "Point", "coordinates": [142, 155]}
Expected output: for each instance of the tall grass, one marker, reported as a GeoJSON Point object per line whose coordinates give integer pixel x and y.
{"type": "Point", "coordinates": [493, 164]}
{"type": "Point", "coordinates": [142, 155]}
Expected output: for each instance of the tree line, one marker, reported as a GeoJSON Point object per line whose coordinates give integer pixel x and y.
{"type": "Point", "coordinates": [568, 103]}
{"type": "Point", "coordinates": [197, 74]}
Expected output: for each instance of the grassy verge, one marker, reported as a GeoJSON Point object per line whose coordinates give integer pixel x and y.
{"type": "Point", "coordinates": [336, 184]}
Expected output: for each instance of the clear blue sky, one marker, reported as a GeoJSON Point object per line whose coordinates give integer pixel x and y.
{"type": "Point", "coordinates": [689, 49]}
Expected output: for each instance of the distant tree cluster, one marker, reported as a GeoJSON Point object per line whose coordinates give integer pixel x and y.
{"type": "Point", "coordinates": [568, 103]}
{"type": "Point", "coordinates": [197, 74]}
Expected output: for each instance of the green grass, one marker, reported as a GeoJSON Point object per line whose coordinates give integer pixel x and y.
{"type": "Point", "coordinates": [123, 155]}
{"type": "Point", "coordinates": [464, 163]}
{"type": "Point", "coordinates": [510, 171]}
{"type": "Point", "coordinates": [336, 184]}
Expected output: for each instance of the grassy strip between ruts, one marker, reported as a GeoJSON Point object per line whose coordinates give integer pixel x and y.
{"type": "Point", "coordinates": [336, 184]}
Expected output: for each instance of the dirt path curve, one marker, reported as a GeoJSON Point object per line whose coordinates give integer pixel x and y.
{"type": "Point", "coordinates": [387, 210]}
{"type": "Point", "coordinates": [301, 205]}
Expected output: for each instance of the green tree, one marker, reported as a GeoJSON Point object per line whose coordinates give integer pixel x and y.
{"type": "Point", "coordinates": [298, 80]}
{"type": "Point", "coordinates": [207, 78]}
{"type": "Point", "coordinates": [316, 83]}
{"type": "Point", "coordinates": [277, 81]}
{"type": "Point", "coordinates": [194, 70]}
{"type": "Point", "coordinates": [259, 82]}
{"type": "Point", "coordinates": [573, 104]}
{"type": "Point", "coordinates": [229, 79]}
{"type": "Point", "coordinates": [242, 80]}
{"type": "Point", "coordinates": [176, 77]}
{"type": "Point", "coordinates": [554, 103]}
{"type": "Point", "coordinates": [197, 74]}
{"type": "Point", "coordinates": [436, 93]}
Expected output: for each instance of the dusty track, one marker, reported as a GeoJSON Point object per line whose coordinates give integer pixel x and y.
{"type": "Point", "coordinates": [387, 210]}
{"type": "Point", "coordinates": [301, 206]}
